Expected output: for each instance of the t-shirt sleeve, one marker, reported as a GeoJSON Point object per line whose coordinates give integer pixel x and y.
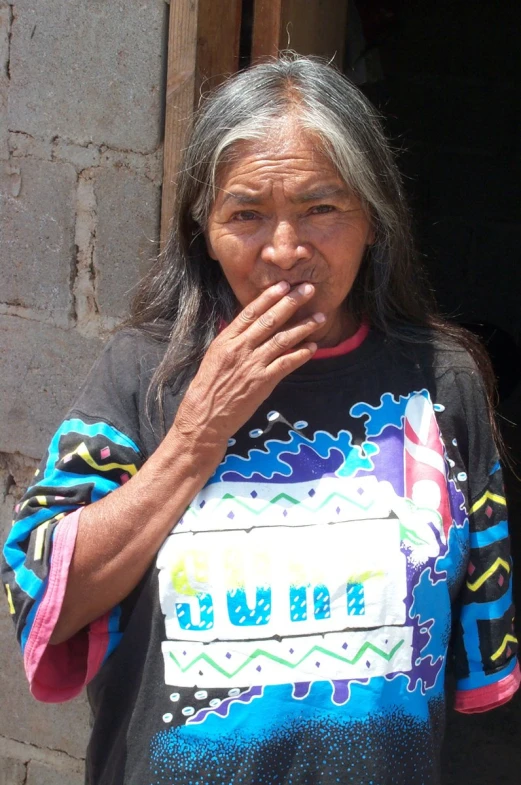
{"type": "Point", "coordinates": [485, 644]}
{"type": "Point", "coordinates": [95, 450]}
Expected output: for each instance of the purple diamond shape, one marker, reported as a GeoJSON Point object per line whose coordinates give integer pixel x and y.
{"type": "Point", "coordinates": [254, 494]}
{"type": "Point", "coordinates": [344, 646]}
{"type": "Point", "coordinates": [291, 651]}
{"type": "Point", "coordinates": [228, 655]}
{"type": "Point", "coordinates": [259, 668]}
{"type": "Point", "coordinates": [231, 515]}
{"type": "Point", "coordinates": [285, 512]}
{"type": "Point", "coordinates": [360, 491]}
{"type": "Point", "coordinates": [337, 510]}
{"type": "Point", "coordinates": [311, 492]}
{"type": "Point", "coordinates": [184, 654]}
{"type": "Point", "coordinates": [317, 664]}
{"type": "Point", "coordinates": [367, 664]}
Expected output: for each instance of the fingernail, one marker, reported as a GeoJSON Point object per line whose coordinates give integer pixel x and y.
{"type": "Point", "coordinates": [305, 288]}
{"type": "Point", "coordinates": [282, 287]}
{"type": "Point", "coordinates": [319, 317]}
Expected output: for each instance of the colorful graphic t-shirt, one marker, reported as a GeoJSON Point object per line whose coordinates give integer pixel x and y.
{"type": "Point", "coordinates": [297, 623]}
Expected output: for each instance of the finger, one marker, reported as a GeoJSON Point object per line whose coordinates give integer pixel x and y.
{"type": "Point", "coordinates": [289, 362]}
{"type": "Point", "coordinates": [260, 305]}
{"type": "Point", "coordinates": [285, 340]}
{"type": "Point", "coordinates": [276, 317]}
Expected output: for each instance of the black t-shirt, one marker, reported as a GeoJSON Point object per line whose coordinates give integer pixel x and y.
{"type": "Point", "coordinates": [295, 626]}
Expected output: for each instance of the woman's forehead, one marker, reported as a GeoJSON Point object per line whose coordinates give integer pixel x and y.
{"type": "Point", "coordinates": [297, 153]}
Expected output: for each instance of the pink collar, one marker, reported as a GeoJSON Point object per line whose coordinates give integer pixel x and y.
{"type": "Point", "coordinates": [349, 345]}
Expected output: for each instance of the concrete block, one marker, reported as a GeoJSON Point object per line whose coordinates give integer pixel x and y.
{"type": "Point", "coordinates": [127, 208]}
{"type": "Point", "coordinates": [5, 25]}
{"type": "Point", "coordinates": [37, 234]}
{"type": "Point", "coordinates": [89, 72]}
{"type": "Point", "coordinates": [4, 132]}
{"type": "Point", "coordinates": [12, 772]}
{"type": "Point", "coordinates": [24, 145]}
{"type": "Point", "coordinates": [43, 774]}
{"type": "Point", "coordinates": [80, 157]}
{"type": "Point", "coordinates": [41, 370]}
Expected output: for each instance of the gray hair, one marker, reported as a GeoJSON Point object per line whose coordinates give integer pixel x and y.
{"type": "Point", "coordinates": [323, 103]}
{"type": "Point", "coordinates": [186, 296]}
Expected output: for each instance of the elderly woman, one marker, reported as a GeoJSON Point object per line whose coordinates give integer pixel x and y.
{"type": "Point", "coordinates": [277, 499]}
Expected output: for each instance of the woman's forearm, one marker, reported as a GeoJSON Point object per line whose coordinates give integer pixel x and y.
{"type": "Point", "coordinates": [119, 536]}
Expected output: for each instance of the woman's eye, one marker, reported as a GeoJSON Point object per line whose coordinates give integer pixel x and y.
{"type": "Point", "coordinates": [321, 209]}
{"type": "Point", "coordinates": [244, 215]}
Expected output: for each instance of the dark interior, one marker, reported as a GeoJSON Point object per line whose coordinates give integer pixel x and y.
{"type": "Point", "coordinates": [446, 76]}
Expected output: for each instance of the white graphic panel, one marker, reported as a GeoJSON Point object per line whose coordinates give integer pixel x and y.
{"type": "Point", "coordinates": [334, 656]}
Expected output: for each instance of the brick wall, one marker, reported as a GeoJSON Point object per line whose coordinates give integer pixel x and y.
{"type": "Point", "coordinates": [81, 88]}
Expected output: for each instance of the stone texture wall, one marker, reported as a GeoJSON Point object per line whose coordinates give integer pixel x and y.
{"type": "Point", "coordinates": [81, 86]}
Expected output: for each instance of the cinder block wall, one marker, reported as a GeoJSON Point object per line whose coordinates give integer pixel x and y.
{"type": "Point", "coordinates": [81, 87]}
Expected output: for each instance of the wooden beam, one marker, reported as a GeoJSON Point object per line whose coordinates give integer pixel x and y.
{"type": "Point", "coordinates": [310, 27]}
{"type": "Point", "coordinates": [203, 48]}
{"type": "Point", "coordinates": [267, 20]}
{"type": "Point", "coordinates": [218, 38]}
{"type": "Point", "coordinates": [180, 82]}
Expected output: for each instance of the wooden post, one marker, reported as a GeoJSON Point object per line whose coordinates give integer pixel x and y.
{"type": "Point", "coordinates": [267, 21]}
{"type": "Point", "coordinates": [218, 33]}
{"type": "Point", "coordinates": [203, 48]}
{"type": "Point", "coordinates": [180, 82]}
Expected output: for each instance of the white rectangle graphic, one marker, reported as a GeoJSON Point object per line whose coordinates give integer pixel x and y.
{"type": "Point", "coordinates": [334, 656]}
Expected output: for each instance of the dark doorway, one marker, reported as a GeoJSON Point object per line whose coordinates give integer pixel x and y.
{"type": "Point", "coordinates": [446, 76]}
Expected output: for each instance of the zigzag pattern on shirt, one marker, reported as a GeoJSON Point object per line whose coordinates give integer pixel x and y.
{"type": "Point", "coordinates": [83, 452]}
{"type": "Point", "coordinates": [487, 574]}
{"type": "Point", "coordinates": [406, 534]}
{"type": "Point", "coordinates": [291, 665]}
{"type": "Point", "coordinates": [285, 497]}
{"type": "Point", "coordinates": [506, 640]}
{"type": "Point", "coordinates": [487, 496]}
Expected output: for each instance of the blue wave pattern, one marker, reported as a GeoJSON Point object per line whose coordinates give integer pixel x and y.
{"type": "Point", "coordinates": [274, 461]}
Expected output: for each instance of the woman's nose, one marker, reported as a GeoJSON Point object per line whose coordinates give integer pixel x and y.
{"type": "Point", "coordinates": [285, 247]}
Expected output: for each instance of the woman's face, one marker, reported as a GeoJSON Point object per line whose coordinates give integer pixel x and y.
{"type": "Point", "coordinates": [282, 213]}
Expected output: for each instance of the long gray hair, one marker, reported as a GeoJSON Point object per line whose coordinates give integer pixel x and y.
{"type": "Point", "coordinates": [185, 296]}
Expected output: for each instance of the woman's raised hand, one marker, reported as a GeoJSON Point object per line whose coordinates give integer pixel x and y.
{"type": "Point", "coordinates": [243, 365]}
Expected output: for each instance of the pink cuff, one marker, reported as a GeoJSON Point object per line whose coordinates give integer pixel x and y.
{"type": "Point", "coordinates": [59, 672]}
{"type": "Point", "coordinates": [489, 697]}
